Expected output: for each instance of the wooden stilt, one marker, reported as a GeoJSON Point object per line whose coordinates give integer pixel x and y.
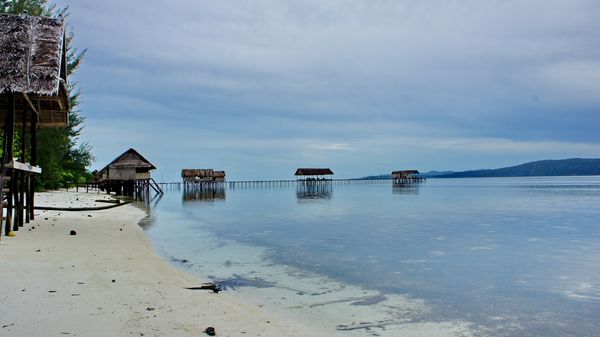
{"type": "Point", "coordinates": [9, 138]}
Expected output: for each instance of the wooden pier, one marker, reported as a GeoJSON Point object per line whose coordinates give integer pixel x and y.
{"type": "Point", "coordinates": [282, 183]}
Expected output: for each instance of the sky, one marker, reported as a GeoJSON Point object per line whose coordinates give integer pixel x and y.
{"type": "Point", "coordinates": [259, 88]}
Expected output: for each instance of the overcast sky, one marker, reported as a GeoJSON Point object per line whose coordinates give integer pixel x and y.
{"type": "Point", "coordinates": [259, 88]}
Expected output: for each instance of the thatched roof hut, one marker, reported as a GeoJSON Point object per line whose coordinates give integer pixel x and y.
{"type": "Point", "coordinates": [128, 174]}
{"type": "Point", "coordinates": [196, 173]}
{"type": "Point", "coordinates": [313, 172]}
{"type": "Point", "coordinates": [202, 175]}
{"type": "Point", "coordinates": [33, 69]}
{"type": "Point", "coordinates": [130, 165]}
{"type": "Point", "coordinates": [33, 93]}
{"type": "Point", "coordinates": [404, 174]}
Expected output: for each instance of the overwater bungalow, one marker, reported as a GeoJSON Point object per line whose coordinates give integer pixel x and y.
{"type": "Point", "coordinates": [128, 174]}
{"type": "Point", "coordinates": [202, 177]}
{"type": "Point", "coordinates": [313, 174]}
{"type": "Point", "coordinates": [33, 94]}
{"type": "Point", "coordinates": [406, 176]}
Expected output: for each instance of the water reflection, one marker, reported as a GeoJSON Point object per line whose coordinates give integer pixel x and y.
{"type": "Point", "coordinates": [405, 188]}
{"type": "Point", "coordinates": [209, 194]}
{"type": "Point", "coordinates": [314, 190]}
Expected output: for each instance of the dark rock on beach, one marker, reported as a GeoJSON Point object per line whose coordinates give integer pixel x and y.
{"type": "Point", "coordinates": [209, 286]}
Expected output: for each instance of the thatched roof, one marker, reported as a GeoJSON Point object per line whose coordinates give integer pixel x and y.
{"type": "Point", "coordinates": [33, 67]}
{"type": "Point", "coordinates": [193, 173]}
{"type": "Point", "coordinates": [406, 172]}
{"type": "Point", "coordinates": [202, 173]}
{"type": "Point", "coordinates": [313, 172]}
{"type": "Point", "coordinates": [129, 159]}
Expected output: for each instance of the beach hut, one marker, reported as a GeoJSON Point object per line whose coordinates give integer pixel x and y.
{"type": "Point", "coordinates": [128, 174]}
{"type": "Point", "coordinates": [313, 174]}
{"type": "Point", "coordinates": [33, 94]}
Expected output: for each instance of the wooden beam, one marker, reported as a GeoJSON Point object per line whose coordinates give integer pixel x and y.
{"type": "Point", "coordinates": [34, 163]}
{"type": "Point", "coordinates": [31, 105]}
{"type": "Point", "coordinates": [26, 167]}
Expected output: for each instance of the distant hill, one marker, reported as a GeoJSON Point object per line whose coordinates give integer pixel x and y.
{"type": "Point", "coordinates": [435, 173]}
{"type": "Point", "coordinates": [563, 167]}
{"type": "Point", "coordinates": [378, 177]}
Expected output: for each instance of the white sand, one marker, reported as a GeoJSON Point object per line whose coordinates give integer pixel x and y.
{"type": "Point", "coordinates": [55, 284]}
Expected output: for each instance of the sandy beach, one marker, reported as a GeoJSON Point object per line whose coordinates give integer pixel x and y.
{"type": "Point", "coordinates": [107, 280]}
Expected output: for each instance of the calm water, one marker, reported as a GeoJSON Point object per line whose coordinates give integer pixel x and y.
{"type": "Point", "coordinates": [508, 256]}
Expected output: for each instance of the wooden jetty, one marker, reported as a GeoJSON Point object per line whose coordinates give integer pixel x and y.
{"type": "Point", "coordinates": [204, 178]}
{"type": "Point", "coordinates": [242, 184]}
{"type": "Point", "coordinates": [33, 94]}
{"type": "Point", "coordinates": [128, 174]}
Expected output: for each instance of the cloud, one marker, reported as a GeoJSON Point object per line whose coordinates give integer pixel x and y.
{"type": "Point", "coordinates": [570, 80]}
{"type": "Point", "coordinates": [333, 147]}
{"type": "Point", "coordinates": [491, 145]}
{"type": "Point", "coordinates": [318, 79]}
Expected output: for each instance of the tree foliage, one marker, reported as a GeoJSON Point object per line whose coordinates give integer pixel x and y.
{"type": "Point", "coordinates": [63, 159]}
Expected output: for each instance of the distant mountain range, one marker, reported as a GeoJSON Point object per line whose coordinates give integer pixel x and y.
{"type": "Point", "coordinates": [434, 174]}
{"type": "Point", "coordinates": [562, 167]}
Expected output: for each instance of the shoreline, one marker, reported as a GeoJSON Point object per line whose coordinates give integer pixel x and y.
{"type": "Point", "coordinates": [109, 280]}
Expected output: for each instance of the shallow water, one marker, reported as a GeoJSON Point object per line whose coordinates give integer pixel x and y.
{"type": "Point", "coordinates": [448, 257]}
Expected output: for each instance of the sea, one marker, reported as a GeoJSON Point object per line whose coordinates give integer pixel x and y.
{"type": "Point", "coordinates": [509, 257]}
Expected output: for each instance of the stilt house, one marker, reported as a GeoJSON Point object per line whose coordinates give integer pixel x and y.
{"type": "Point", "coordinates": [202, 176]}
{"type": "Point", "coordinates": [33, 94]}
{"type": "Point", "coordinates": [128, 174]}
{"type": "Point", "coordinates": [406, 176]}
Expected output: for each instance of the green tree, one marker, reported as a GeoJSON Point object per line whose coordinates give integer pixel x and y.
{"type": "Point", "coordinates": [63, 159]}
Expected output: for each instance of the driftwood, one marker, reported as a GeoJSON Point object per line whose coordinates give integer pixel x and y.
{"type": "Point", "coordinates": [79, 209]}
{"type": "Point", "coordinates": [208, 286]}
{"type": "Point", "coordinates": [108, 201]}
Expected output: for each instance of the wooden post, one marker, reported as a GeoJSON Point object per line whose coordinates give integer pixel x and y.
{"type": "Point", "coordinates": [34, 163]}
{"type": "Point", "coordinates": [15, 205]}
{"type": "Point", "coordinates": [9, 138]}
{"type": "Point", "coordinates": [22, 187]}
{"type": "Point", "coordinates": [28, 197]}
